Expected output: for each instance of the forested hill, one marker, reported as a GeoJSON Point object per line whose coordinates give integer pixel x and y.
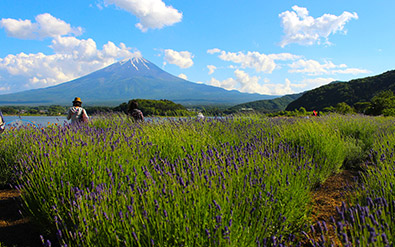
{"type": "Point", "coordinates": [358, 90]}
{"type": "Point", "coordinates": [272, 105]}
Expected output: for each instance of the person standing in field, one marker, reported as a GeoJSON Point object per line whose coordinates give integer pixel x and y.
{"type": "Point", "coordinates": [76, 113]}
{"type": "Point", "coordinates": [134, 111]}
{"type": "Point", "coordinates": [2, 123]}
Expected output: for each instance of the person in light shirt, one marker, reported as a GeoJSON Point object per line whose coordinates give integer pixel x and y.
{"type": "Point", "coordinates": [76, 113]}
{"type": "Point", "coordinates": [2, 123]}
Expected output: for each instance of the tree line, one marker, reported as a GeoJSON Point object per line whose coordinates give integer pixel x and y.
{"type": "Point", "coordinates": [148, 107]}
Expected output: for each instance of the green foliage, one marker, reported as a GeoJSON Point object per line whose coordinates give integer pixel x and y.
{"type": "Point", "coordinates": [329, 109]}
{"type": "Point", "coordinates": [373, 214]}
{"type": "Point", "coordinates": [160, 108]}
{"type": "Point", "coordinates": [302, 110]}
{"type": "Point", "coordinates": [181, 181]}
{"type": "Point", "coordinates": [362, 107]}
{"type": "Point", "coordinates": [359, 90]}
{"type": "Point", "coordinates": [9, 110]}
{"type": "Point", "coordinates": [52, 110]}
{"type": "Point", "coordinates": [266, 106]}
{"type": "Point", "coordinates": [55, 110]}
{"type": "Point", "coordinates": [384, 100]}
{"type": "Point", "coordinates": [91, 110]}
{"type": "Point", "coordinates": [343, 108]}
{"type": "Point", "coordinates": [389, 112]}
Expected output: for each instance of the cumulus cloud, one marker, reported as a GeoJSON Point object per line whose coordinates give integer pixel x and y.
{"type": "Point", "coordinates": [303, 29]}
{"type": "Point", "coordinates": [250, 84]}
{"type": "Point", "coordinates": [153, 14]}
{"type": "Point", "coordinates": [312, 67]}
{"type": "Point", "coordinates": [183, 76]}
{"type": "Point", "coordinates": [243, 82]}
{"type": "Point", "coordinates": [213, 51]}
{"type": "Point", "coordinates": [316, 82]}
{"type": "Point", "coordinates": [211, 69]}
{"type": "Point", "coordinates": [258, 61]}
{"type": "Point", "coordinates": [182, 59]}
{"type": "Point", "coordinates": [228, 84]}
{"type": "Point", "coordinates": [72, 58]}
{"type": "Point", "coordinates": [45, 26]}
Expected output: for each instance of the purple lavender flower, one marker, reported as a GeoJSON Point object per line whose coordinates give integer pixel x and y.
{"type": "Point", "coordinates": [135, 236]}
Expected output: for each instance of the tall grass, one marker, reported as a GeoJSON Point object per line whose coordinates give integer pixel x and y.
{"type": "Point", "coordinates": [370, 221]}
{"type": "Point", "coordinates": [241, 181]}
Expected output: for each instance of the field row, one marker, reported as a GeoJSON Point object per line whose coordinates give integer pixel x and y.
{"type": "Point", "coordinates": [241, 181]}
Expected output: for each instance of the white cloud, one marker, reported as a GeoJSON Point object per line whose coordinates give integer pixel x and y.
{"type": "Point", "coordinates": [183, 76]}
{"type": "Point", "coordinates": [283, 56]}
{"type": "Point", "coordinates": [303, 29]}
{"type": "Point", "coordinates": [45, 26]}
{"type": "Point", "coordinates": [312, 67]}
{"type": "Point", "coordinates": [250, 84]}
{"type": "Point", "coordinates": [243, 82]}
{"type": "Point", "coordinates": [211, 69]}
{"type": "Point", "coordinates": [182, 59]}
{"type": "Point", "coordinates": [4, 89]}
{"type": "Point", "coordinates": [213, 51]}
{"type": "Point", "coordinates": [258, 61]}
{"type": "Point", "coordinates": [353, 71]}
{"type": "Point", "coordinates": [72, 58]}
{"type": "Point", "coordinates": [228, 84]}
{"type": "Point", "coordinates": [153, 14]}
{"type": "Point", "coordinates": [316, 82]}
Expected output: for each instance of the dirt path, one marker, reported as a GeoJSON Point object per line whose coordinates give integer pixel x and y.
{"type": "Point", "coordinates": [15, 231]}
{"type": "Point", "coordinates": [335, 190]}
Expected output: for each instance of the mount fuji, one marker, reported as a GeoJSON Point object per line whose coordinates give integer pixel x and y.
{"type": "Point", "coordinates": [134, 78]}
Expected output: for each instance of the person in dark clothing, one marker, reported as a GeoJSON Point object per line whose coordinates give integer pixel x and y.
{"type": "Point", "coordinates": [134, 112]}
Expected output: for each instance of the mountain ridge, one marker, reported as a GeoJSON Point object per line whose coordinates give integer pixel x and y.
{"type": "Point", "coordinates": [351, 92]}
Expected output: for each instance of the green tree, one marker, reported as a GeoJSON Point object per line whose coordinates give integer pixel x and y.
{"type": "Point", "coordinates": [302, 110]}
{"type": "Point", "coordinates": [389, 112]}
{"type": "Point", "coordinates": [54, 110]}
{"type": "Point", "coordinates": [344, 108]}
{"type": "Point", "coordinates": [380, 102]}
{"type": "Point", "coordinates": [329, 109]}
{"type": "Point", "coordinates": [362, 107]}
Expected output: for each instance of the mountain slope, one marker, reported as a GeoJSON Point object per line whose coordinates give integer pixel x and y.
{"type": "Point", "coordinates": [128, 79]}
{"type": "Point", "coordinates": [358, 90]}
{"type": "Point", "coordinates": [270, 105]}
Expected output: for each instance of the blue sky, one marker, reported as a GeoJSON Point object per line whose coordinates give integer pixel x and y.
{"type": "Point", "coordinates": [267, 47]}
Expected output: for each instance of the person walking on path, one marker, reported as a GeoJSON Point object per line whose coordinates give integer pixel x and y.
{"type": "Point", "coordinates": [134, 112]}
{"type": "Point", "coordinates": [76, 113]}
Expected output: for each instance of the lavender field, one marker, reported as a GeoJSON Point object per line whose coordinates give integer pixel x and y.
{"type": "Point", "coordinates": [240, 181]}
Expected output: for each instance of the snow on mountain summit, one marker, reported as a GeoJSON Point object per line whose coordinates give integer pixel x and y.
{"type": "Point", "coordinates": [136, 62]}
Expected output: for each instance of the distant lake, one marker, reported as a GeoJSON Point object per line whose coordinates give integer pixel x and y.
{"type": "Point", "coordinates": [35, 120]}
{"type": "Point", "coordinates": [44, 121]}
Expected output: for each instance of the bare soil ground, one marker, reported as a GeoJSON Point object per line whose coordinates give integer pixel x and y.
{"type": "Point", "coordinates": [329, 195]}
{"type": "Point", "coordinates": [16, 231]}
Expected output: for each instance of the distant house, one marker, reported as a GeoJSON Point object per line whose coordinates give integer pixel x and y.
{"type": "Point", "coordinates": [246, 109]}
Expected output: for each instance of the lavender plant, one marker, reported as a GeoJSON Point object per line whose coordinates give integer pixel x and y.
{"type": "Point", "coordinates": [242, 181]}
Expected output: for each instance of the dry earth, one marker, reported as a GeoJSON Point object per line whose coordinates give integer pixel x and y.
{"type": "Point", "coordinates": [15, 230]}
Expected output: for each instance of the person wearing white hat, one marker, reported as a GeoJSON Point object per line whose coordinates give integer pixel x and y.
{"type": "Point", "coordinates": [76, 113]}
